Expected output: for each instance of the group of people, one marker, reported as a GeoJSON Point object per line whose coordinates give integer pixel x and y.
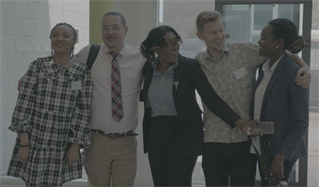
{"type": "Point", "coordinates": [63, 106]}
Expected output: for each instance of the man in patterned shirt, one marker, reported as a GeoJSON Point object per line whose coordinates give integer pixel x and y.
{"type": "Point", "coordinates": [230, 68]}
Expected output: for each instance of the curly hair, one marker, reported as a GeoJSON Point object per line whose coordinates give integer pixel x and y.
{"type": "Point", "coordinates": [285, 29]}
{"type": "Point", "coordinates": [156, 37]}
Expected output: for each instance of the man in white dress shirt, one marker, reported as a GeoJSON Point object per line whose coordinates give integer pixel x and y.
{"type": "Point", "coordinates": [113, 153]}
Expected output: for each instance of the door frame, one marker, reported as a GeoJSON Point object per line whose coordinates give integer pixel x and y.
{"type": "Point", "coordinates": [306, 28]}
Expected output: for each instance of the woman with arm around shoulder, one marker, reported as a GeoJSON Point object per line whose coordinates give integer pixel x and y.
{"type": "Point", "coordinates": [51, 116]}
{"type": "Point", "coordinates": [277, 98]}
{"type": "Point", "coordinates": [172, 124]}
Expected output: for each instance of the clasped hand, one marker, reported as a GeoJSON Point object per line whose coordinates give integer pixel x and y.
{"type": "Point", "coordinates": [277, 167]}
{"type": "Point", "coordinates": [243, 126]}
{"type": "Point", "coordinates": [72, 155]}
{"type": "Point", "coordinates": [23, 154]}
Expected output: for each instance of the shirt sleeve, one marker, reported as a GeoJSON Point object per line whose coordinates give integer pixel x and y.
{"type": "Point", "coordinates": [80, 132]}
{"type": "Point", "coordinates": [212, 100]}
{"type": "Point", "coordinates": [22, 115]}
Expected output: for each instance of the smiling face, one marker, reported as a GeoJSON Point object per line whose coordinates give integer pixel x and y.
{"type": "Point", "coordinates": [166, 55]}
{"type": "Point", "coordinates": [113, 33]}
{"type": "Point", "coordinates": [214, 36]}
{"type": "Point", "coordinates": [62, 39]}
{"type": "Point", "coordinates": [267, 42]}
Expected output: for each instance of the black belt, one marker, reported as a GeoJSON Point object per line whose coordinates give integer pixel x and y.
{"type": "Point", "coordinates": [115, 135]}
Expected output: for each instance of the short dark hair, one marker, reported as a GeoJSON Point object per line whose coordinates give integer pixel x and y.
{"type": "Point", "coordinates": [63, 23]}
{"type": "Point", "coordinates": [156, 37]}
{"type": "Point", "coordinates": [115, 14]}
{"type": "Point", "coordinates": [285, 29]}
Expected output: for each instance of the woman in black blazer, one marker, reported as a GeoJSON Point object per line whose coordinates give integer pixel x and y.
{"type": "Point", "coordinates": [277, 98]}
{"type": "Point", "coordinates": [172, 124]}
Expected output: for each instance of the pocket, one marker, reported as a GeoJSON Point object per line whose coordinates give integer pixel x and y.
{"type": "Point", "coordinates": [278, 88]}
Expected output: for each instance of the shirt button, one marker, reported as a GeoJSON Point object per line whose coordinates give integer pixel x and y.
{"type": "Point", "coordinates": [161, 97]}
{"type": "Point", "coordinates": [165, 107]}
{"type": "Point", "coordinates": [161, 86]}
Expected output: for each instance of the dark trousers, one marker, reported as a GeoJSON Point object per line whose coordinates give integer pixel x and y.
{"type": "Point", "coordinates": [169, 165]}
{"type": "Point", "coordinates": [224, 163]}
{"type": "Point", "coordinates": [287, 170]}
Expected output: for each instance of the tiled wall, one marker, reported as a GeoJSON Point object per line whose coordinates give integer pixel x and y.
{"type": "Point", "coordinates": [24, 35]}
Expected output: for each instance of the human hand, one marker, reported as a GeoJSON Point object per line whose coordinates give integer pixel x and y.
{"type": "Point", "coordinates": [72, 155]}
{"type": "Point", "coordinates": [23, 154]}
{"type": "Point", "coordinates": [303, 77]}
{"type": "Point", "coordinates": [277, 167]}
{"type": "Point", "coordinates": [243, 126]}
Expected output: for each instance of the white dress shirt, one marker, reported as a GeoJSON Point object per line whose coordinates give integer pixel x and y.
{"type": "Point", "coordinates": [259, 96]}
{"type": "Point", "coordinates": [131, 64]}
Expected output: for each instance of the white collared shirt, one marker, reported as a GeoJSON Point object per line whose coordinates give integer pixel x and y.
{"type": "Point", "coordinates": [259, 96]}
{"type": "Point", "coordinates": [131, 64]}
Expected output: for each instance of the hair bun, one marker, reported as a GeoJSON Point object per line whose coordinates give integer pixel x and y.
{"type": "Point", "coordinates": [297, 46]}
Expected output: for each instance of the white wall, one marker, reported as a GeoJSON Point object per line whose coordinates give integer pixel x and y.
{"type": "Point", "coordinates": [25, 27]}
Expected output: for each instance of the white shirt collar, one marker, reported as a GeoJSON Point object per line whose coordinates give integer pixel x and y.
{"type": "Point", "coordinates": [122, 51]}
{"type": "Point", "coordinates": [266, 69]}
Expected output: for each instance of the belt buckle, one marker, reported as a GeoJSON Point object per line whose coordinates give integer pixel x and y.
{"type": "Point", "coordinates": [117, 135]}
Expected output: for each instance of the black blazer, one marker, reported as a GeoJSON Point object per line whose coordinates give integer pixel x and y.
{"type": "Point", "coordinates": [286, 104]}
{"type": "Point", "coordinates": [189, 76]}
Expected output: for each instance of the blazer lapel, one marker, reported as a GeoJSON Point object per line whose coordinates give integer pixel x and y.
{"type": "Point", "coordinates": [275, 76]}
{"type": "Point", "coordinates": [178, 72]}
{"type": "Point", "coordinates": [148, 73]}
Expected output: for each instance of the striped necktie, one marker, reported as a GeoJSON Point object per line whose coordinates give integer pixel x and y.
{"type": "Point", "coordinates": [117, 105]}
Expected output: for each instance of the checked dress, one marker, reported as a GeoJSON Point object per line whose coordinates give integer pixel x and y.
{"type": "Point", "coordinates": [55, 114]}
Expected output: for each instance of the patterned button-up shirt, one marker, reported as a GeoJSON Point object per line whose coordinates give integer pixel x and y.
{"type": "Point", "coordinates": [232, 77]}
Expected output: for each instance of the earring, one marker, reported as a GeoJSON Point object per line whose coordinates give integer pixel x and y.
{"type": "Point", "coordinates": [52, 52]}
{"type": "Point", "coordinates": [277, 47]}
{"type": "Point", "coordinates": [72, 52]}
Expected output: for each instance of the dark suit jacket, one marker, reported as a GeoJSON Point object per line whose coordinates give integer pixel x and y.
{"type": "Point", "coordinates": [286, 104]}
{"type": "Point", "coordinates": [190, 77]}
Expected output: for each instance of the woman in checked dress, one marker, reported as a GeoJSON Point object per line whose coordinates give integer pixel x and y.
{"type": "Point", "coordinates": [52, 115]}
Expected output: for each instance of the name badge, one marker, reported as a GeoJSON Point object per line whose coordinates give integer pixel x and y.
{"type": "Point", "coordinates": [76, 85]}
{"type": "Point", "coordinates": [241, 72]}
